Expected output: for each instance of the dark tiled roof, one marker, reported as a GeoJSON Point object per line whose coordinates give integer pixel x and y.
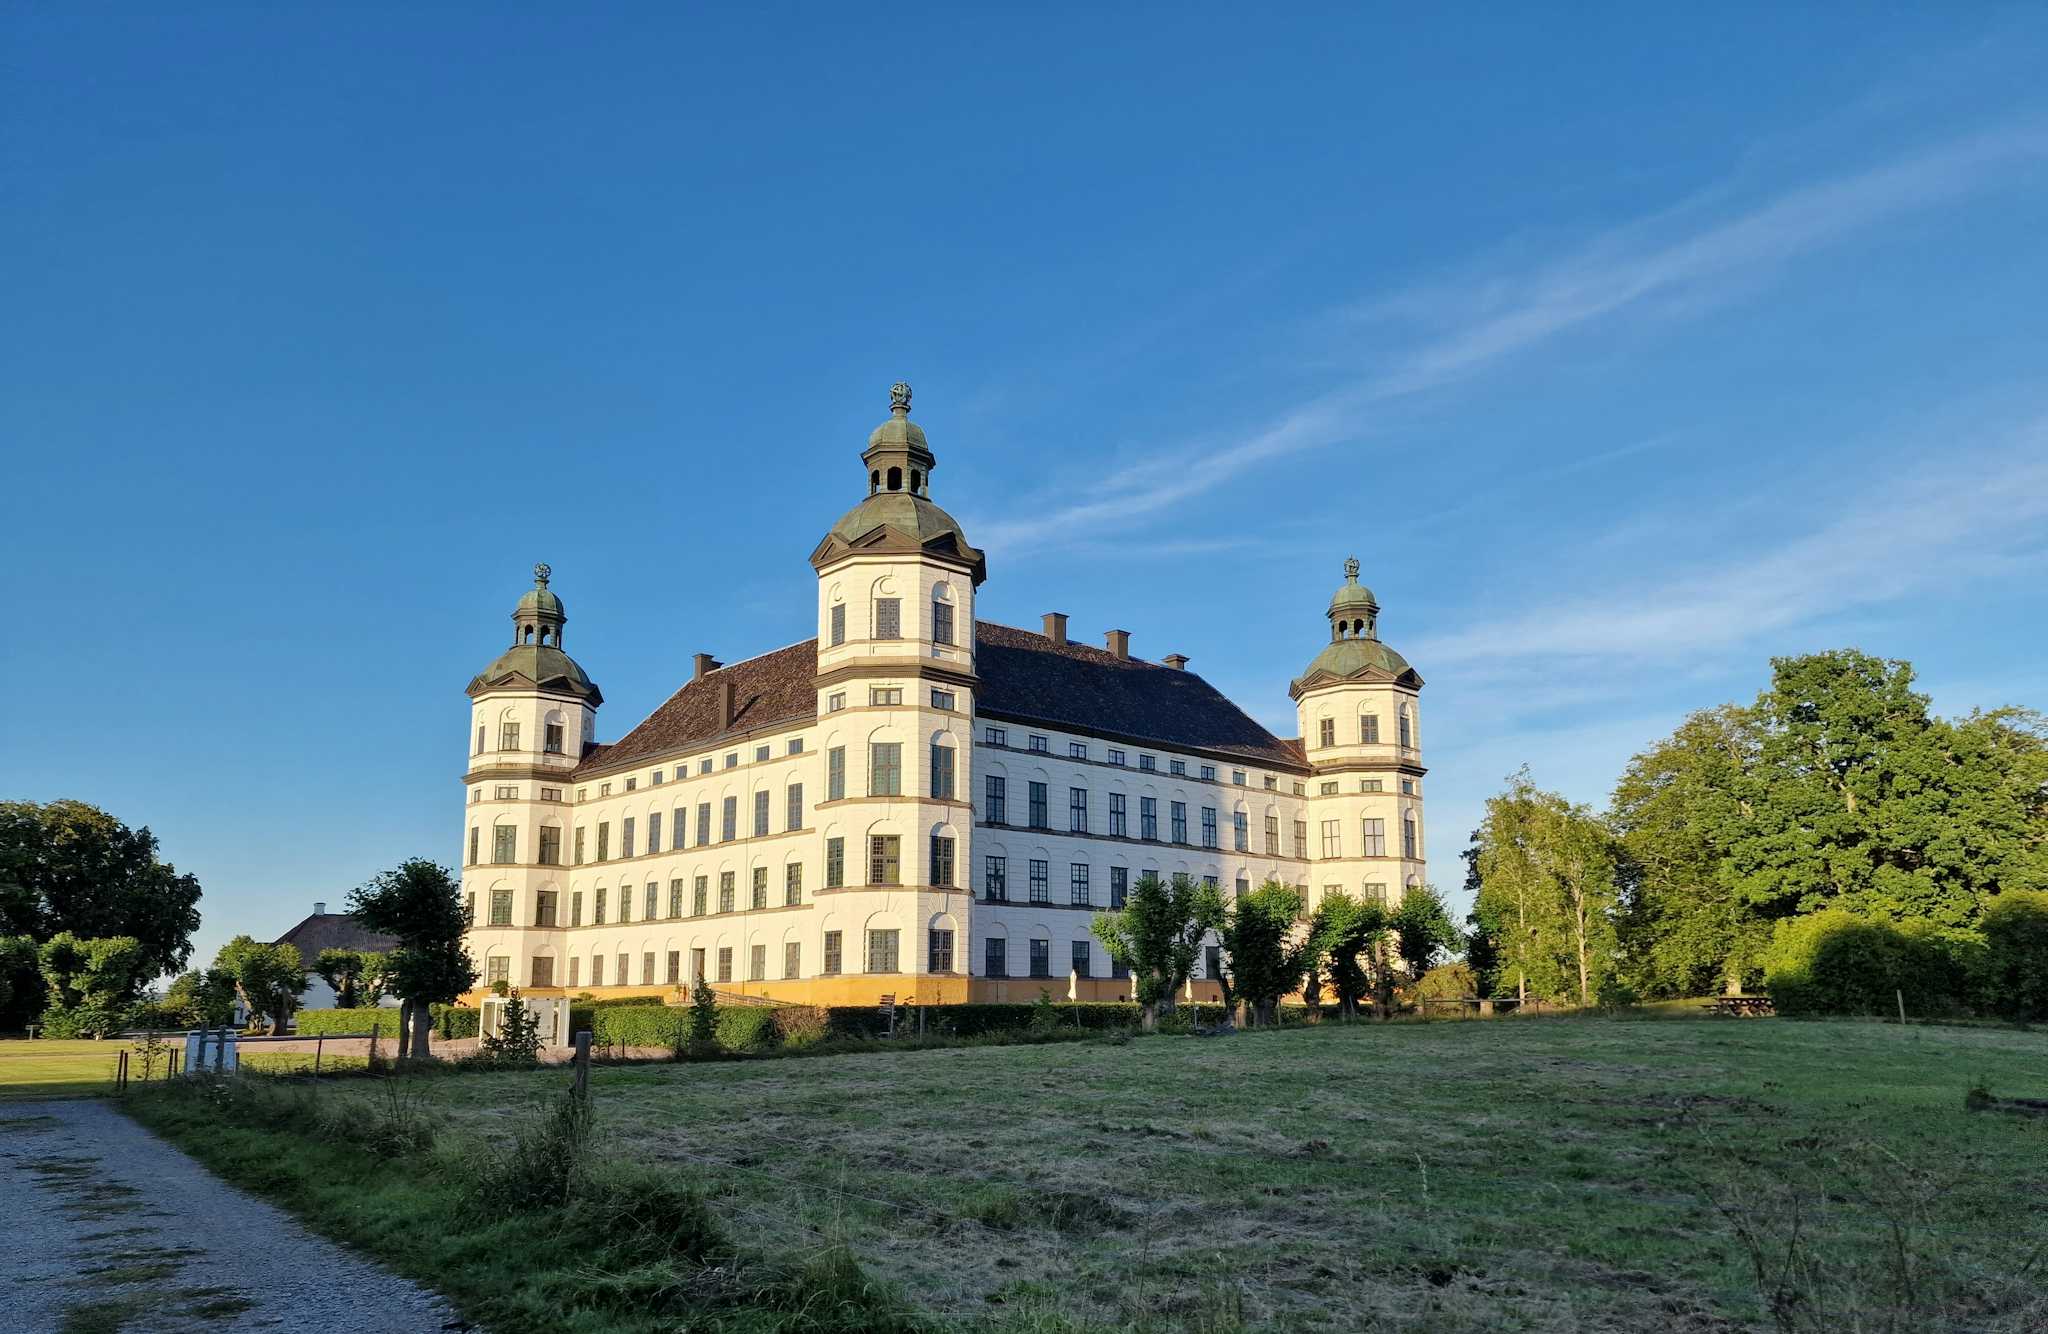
{"type": "Point", "coordinates": [1027, 676]}
{"type": "Point", "coordinates": [1024, 676]}
{"type": "Point", "coordinates": [334, 931]}
{"type": "Point", "coordinates": [773, 688]}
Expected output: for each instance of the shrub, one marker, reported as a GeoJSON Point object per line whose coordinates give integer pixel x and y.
{"type": "Point", "coordinates": [380, 1020]}
{"type": "Point", "coordinates": [746, 1028]}
{"type": "Point", "coordinates": [455, 1021]}
{"type": "Point", "coordinates": [800, 1025]}
{"type": "Point", "coordinates": [1448, 981]}
{"type": "Point", "coordinates": [1834, 962]}
{"type": "Point", "coordinates": [1616, 993]}
{"type": "Point", "coordinates": [640, 1025]}
{"type": "Point", "coordinates": [2013, 973]}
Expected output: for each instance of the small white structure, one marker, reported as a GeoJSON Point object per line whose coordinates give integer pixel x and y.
{"type": "Point", "coordinates": [552, 1013]}
{"type": "Point", "coordinates": [210, 1049]}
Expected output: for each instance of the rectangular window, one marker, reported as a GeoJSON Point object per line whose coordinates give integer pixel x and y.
{"type": "Point", "coordinates": [1376, 891]}
{"type": "Point", "coordinates": [792, 884]}
{"type": "Point", "coordinates": [761, 813]}
{"type": "Point", "coordinates": [625, 903]}
{"type": "Point", "coordinates": [1041, 881]}
{"type": "Point", "coordinates": [1326, 732]}
{"type": "Point", "coordinates": [994, 799]}
{"type": "Point", "coordinates": [725, 963]}
{"type": "Point", "coordinates": [835, 774]}
{"type": "Point", "coordinates": [729, 819]}
{"type": "Point", "coordinates": [942, 860]}
{"type": "Point", "coordinates": [675, 897]}
{"type": "Point", "coordinates": [760, 754]}
{"type": "Point", "coordinates": [732, 761]}
{"type": "Point", "coordinates": [1208, 826]}
{"type": "Point", "coordinates": [885, 696]}
{"type": "Point", "coordinates": [1333, 838]}
{"type": "Point", "coordinates": [1329, 789]}
{"type": "Point", "coordinates": [647, 969]}
{"type": "Point", "coordinates": [1237, 777]}
{"type": "Point", "coordinates": [838, 624]}
{"type": "Point", "coordinates": [579, 845]}
{"type": "Point", "coordinates": [1039, 745]}
{"type": "Point", "coordinates": [995, 736]}
{"type": "Point", "coordinates": [1244, 886]}
{"type": "Point", "coordinates": [1301, 838]}
{"type": "Point", "coordinates": [1406, 728]}
{"type": "Point", "coordinates": [757, 964]}
{"type": "Point", "coordinates": [885, 768]}
{"type": "Point", "coordinates": [626, 837]}
{"type": "Point", "coordinates": [676, 822]}
{"type": "Point", "coordinates": [697, 970]}
{"type": "Point", "coordinates": [726, 890]}
{"type": "Point", "coordinates": [505, 792]}
{"type": "Point", "coordinates": [832, 960]}
{"type": "Point", "coordinates": [480, 741]}
{"type": "Point", "coordinates": [503, 839]}
{"type": "Point", "coordinates": [1208, 773]}
{"type": "Point", "coordinates": [1041, 958]}
{"type": "Point", "coordinates": [1119, 886]}
{"type": "Point", "coordinates": [632, 784]}
{"type": "Point", "coordinates": [1375, 838]}
{"type": "Point", "coordinates": [1408, 787]}
{"type": "Point", "coordinates": [1116, 814]}
{"type": "Point", "coordinates": [1409, 845]}
{"type": "Point", "coordinates": [835, 862]}
{"type": "Point", "coordinates": [508, 736]}
{"type": "Point", "coordinates": [597, 907]}
{"type": "Point", "coordinates": [1077, 750]}
{"type": "Point", "coordinates": [760, 887]}
{"type": "Point", "coordinates": [1178, 768]}
{"type": "Point", "coordinates": [1272, 836]}
{"type": "Point", "coordinates": [654, 831]}
{"type": "Point", "coordinates": [700, 896]}
{"type": "Point", "coordinates": [995, 879]}
{"type": "Point", "coordinates": [1148, 764]}
{"type": "Point", "coordinates": [1212, 961]}
{"type": "Point", "coordinates": [796, 745]}
{"type": "Point", "coordinates": [597, 970]}
{"type": "Point", "coordinates": [703, 823]}
{"type": "Point", "coordinates": [1116, 757]}
{"type": "Point", "coordinates": [476, 834]}
{"type": "Point", "coordinates": [1077, 885]}
{"type": "Point", "coordinates": [501, 907]}
{"type": "Point", "coordinates": [675, 967]}
{"type": "Point", "coordinates": [1081, 964]}
{"type": "Point", "coordinates": [1119, 970]}
{"type": "Point", "coordinates": [792, 959]}
{"type": "Point", "coordinates": [835, 701]}
{"type": "Point", "coordinates": [1369, 728]}
{"type": "Point", "coordinates": [882, 951]}
{"type": "Point", "coordinates": [658, 775]}
{"type": "Point", "coordinates": [995, 957]}
{"type": "Point", "coordinates": [1240, 831]}
{"type": "Point", "coordinates": [576, 908]}
{"type": "Point", "coordinates": [543, 971]}
{"type": "Point", "coordinates": [885, 860]}
{"type": "Point", "coordinates": [1177, 816]}
{"type": "Point", "coordinates": [1077, 810]}
{"type": "Point", "coordinates": [575, 971]}
{"type": "Point", "coordinates": [1148, 819]}
{"type": "Point", "coordinates": [939, 951]}
{"type": "Point", "coordinates": [943, 699]}
{"type": "Point", "coordinates": [604, 840]}
{"type": "Point", "coordinates": [942, 623]}
{"type": "Point", "coordinates": [1035, 792]}
{"type": "Point", "coordinates": [652, 902]}
{"type": "Point", "coordinates": [888, 618]}
{"type": "Point", "coordinates": [942, 772]}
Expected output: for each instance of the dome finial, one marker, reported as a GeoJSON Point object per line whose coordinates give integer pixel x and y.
{"type": "Point", "coordinates": [1351, 567]}
{"type": "Point", "coordinates": [899, 398]}
{"type": "Point", "coordinates": [540, 574]}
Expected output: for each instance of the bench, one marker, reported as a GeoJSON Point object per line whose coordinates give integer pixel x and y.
{"type": "Point", "coordinates": [1745, 1007]}
{"type": "Point", "coordinates": [887, 1012]}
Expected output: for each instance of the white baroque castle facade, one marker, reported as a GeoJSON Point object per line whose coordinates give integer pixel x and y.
{"type": "Point", "coordinates": [914, 803]}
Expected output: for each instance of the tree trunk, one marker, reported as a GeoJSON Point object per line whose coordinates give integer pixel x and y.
{"type": "Point", "coordinates": [1149, 1017]}
{"type": "Point", "coordinates": [404, 1029]}
{"type": "Point", "coordinates": [422, 1030]}
{"type": "Point", "coordinates": [1732, 984]}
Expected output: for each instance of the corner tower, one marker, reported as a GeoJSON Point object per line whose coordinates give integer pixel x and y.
{"type": "Point", "coordinates": [896, 685]}
{"type": "Point", "coordinates": [1360, 725]}
{"type": "Point", "coordinates": [532, 713]}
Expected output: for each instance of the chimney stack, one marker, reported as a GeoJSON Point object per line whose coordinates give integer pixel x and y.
{"type": "Point", "coordinates": [725, 704]}
{"type": "Point", "coordinates": [1177, 661]}
{"type": "Point", "coordinates": [1120, 644]}
{"type": "Point", "coordinates": [705, 664]}
{"type": "Point", "coordinates": [319, 907]}
{"type": "Point", "coordinates": [1056, 626]}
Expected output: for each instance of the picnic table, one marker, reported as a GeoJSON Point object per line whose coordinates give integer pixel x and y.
{"type": "Point", "coordinates": [1746, 1007]}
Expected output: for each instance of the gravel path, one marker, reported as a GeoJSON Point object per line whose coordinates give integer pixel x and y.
{"type": "Point", "coordinates": [105, 1227]}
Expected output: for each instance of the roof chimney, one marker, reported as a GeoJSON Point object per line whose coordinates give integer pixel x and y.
{"type": "Point", "coordinates": [1056, 626]}
{"type": "Point", "coordinates": [705, 663]}
{"type": "Point", "coordinates": [319, 908]}
{"type": "Point", "coordinates": [1177, 661]}
{"type": "Point", "coordinates": [725, 704]}
{"type": "Point", "coordinates": [1120, 644]}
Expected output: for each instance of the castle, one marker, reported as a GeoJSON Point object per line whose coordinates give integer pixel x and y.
{"type": "Point", "coordinates": [915, 803]}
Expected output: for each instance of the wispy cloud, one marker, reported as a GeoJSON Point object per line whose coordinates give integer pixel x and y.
{"type": "Point", "coordinates": [1673, 262]}
{"type": "Point", "coordinates": [1967, 518]}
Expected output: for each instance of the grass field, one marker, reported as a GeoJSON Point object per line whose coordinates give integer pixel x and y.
{"type": "Point", "coordinates": [1568, 1174]}
{"type": "Point", "coordinates": [48, 1068]}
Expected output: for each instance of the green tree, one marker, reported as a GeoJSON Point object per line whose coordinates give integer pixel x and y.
{"type": "Point", "coordinates": [2014, 979]}
{"type": "Point", "coordinates": [1482, 942]}
{"type": "Point", "coordinates": [19, 976]}
{"type": "Point", "coordinates": [420, 903]}
{"type": "Point", "coordinates": [518, 1037]}
{"type": "Point", "coordinates": [67, 867]}
{"type": "Point", "coordinates": [1349, 936]}
{"type": "Point", "coordinates": [202, 999]}
{"type": "Point", "coordinates": [1547, 877]}
{"type": "Point", "coordinates": [1423, 929]}
{"type": "Point", "coordinates": [703, 1025]}
{"type": "Point", "coordinates": [270, 978]}
{"type": "Point", "coordinates": [92, 985]}
{"type": "Point", "coordinates": [1263, 953]}
{"type": "Point", "coordinates": [352, 974]}
{"type": "Point", "coordinates": [1157, 935]}
{"type": "Point", "coordinates": [1676, 811]}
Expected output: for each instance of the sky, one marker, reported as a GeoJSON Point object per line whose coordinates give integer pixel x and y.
{"type": "Point", "coordinates": [1625, 351]}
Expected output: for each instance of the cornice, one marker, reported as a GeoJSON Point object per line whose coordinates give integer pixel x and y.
{"type": "Point", "coordinates": [918, 669]}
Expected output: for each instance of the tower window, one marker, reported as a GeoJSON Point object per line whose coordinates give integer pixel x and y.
{"type": "Point", "coordinates": [552, 740]}
{"type": "Point", "coordinates": [838, 623]}
{"type": "Point", "coordinates": [913, 479]}
{"type": "Point", "coordinates": [895, 479]}
{"type": "Point", "coordinates": [508, 736]}
{"type": "Point", "coordinates": [888, 618]}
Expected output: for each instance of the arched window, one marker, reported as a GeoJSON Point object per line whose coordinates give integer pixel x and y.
{"type": "Point", "coordinates": [895, 479]}
{"type": "Point", "coordinates": [913, 479]}
{"type": "Point", "coordinates": [874, 481]}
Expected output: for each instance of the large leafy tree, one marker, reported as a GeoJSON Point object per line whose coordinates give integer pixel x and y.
{"type": "Point", "coordinates": [1482, 942]}
{"type": "Point", "coordinates": [1263, 952]}
{"type": "Point", "coordinates": [1424, 931]}
{"type": "Point", "coordinates": [1348, 937]}
{"type": "Point", "coordinates": [202, 998]}
{"type": "Point", "coordinates": [270, 978]}
{"type": "Point", "coordinates": [66, 866]}
{"type": "Point", "coordinates": [1158, 934]}
{"type": "Point", "coordinates": [355, 976]}
{"type": "Point", "coordinates": [420, 903]}
{"type": "Point", "coordinates": [1548, 879]}
{"type": "Point", "coordinates": [92, 984]}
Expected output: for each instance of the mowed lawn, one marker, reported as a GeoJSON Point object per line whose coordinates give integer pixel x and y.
{"type": "Point", "coordinates": [56, 1069]}
{"type": "Point", "coordinates": [1563, 1174]}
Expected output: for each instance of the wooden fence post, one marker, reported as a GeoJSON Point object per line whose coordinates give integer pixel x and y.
{"type": "Point", "coordinates": [1901, 995]}
{"type": "Point", "coordinates": [582, 1063]}
{"type": "Point", "coordinates": [319, 1040]}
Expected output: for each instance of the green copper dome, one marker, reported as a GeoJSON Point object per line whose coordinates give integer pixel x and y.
{"type": "Point", "coordinates": [1353, 596]}
{"type": "Point", "coordinates": [898, 514]}
{"type": "Point", "coordinates": [1349, 657]}
{"type": "Point", "coordinates": [536, 656]}
{"type": "Point", "coordinates": [1354, 650]}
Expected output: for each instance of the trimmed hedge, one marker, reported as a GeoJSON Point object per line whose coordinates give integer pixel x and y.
{"type": "Point", "coordinates": [450, 1021]}
{"type": "Point", "coordinates": [763, 1028]}
{"type": "Point", "coordinates": [1834, 962]}
{"type": "Point", "coordinates": [2015, 970]}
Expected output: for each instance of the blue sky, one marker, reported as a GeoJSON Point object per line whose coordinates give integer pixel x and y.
{"type": "Point", "coordinates": [1624, 352]}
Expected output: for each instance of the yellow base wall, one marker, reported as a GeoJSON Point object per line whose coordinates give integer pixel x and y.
{"type": "Point", "coordinates": [862, 989]}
